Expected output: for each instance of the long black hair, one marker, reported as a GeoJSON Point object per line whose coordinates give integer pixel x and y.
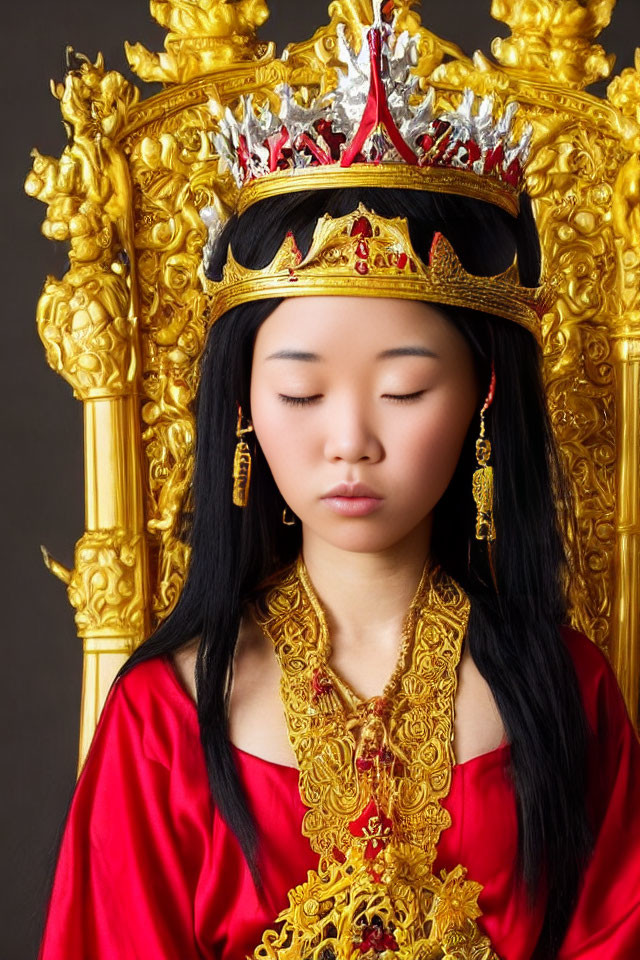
{"type": "Point", "coordinates": [516, 609]}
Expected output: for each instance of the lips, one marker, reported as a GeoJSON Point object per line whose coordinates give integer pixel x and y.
{"type": "Point", "coordinates": [353, 490]}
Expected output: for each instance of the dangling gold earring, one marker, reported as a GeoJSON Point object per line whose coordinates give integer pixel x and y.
{"type": "Point", "coordinates": [483, 476]}
{"type": "Point", "coordinates": [288, 523]}
{"type": "Point", "coordinates": [241, 465]}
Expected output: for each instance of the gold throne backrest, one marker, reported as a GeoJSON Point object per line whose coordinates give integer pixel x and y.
{"type": "Point", "coordinates": [126, 325]}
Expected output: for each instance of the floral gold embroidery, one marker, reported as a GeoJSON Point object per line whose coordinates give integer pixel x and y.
{"type": "Point", "coordinates": [372, 775]}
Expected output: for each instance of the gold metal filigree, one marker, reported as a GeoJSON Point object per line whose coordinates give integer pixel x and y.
{"type": "Point", "coordinates": [372, 774]}
{"type": "Point", "coordinates": [88, 336]}
{"type": "Point", "coordinates": [362, 254]}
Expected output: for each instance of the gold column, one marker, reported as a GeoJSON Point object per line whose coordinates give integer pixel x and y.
{"type": "Point", "coordinates": [110, 582]}
{"type": "Point", "coordinates": [88, 322]}
{"type": "Point", "coordinates": [624, 646]}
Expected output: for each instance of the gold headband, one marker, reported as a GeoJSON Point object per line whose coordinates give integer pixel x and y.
{"type": "Point", "coordinates": [464, 183]}
{"type": "Point", "coordinates": [365, 255]}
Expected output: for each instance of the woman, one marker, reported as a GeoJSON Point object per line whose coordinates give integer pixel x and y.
{"type": "Point", "coordinates": [166, 875]}
{"type": "Point", "coordinates": [454, 765]}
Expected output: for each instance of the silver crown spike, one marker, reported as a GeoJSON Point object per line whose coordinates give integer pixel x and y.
{"type": "Point", "coordinates": [519, 151]}
{"type": "Point", "coordinates": [232, 126]}
{"type": "Point", "coordinates": [484, 124]}
{"type": "Point", "coordinates": [354, 62]}
{"type": "Point", "coordinates": [405, 49]}
{"type": "Point", "coordinates": [461, 120]}
{"type": "Point", "coordinates": [350, 94]}
{"type": "Point", "coordinates": [503, 127]}
{"type": "Point", "coordinates": [464, 110]}
{"type": "Point", "coordinates": [297, 119]}
{"type": "Point", "coordinates": [249, 126]}
{"type": "Point", "coordinates": [525, 143]}
{"type": "Point", "coordinates": [267, 122]}
{"type": "Point", "coordinates": [214, 224]}
{"type": "Point", "coordinates": [221, 145]}
{"type": "Point", "coordinates": [344, 105]}
{"type": "Point", "coordinates": [419, 118]}
{"type": "Point", "coordinates": [254, 134]}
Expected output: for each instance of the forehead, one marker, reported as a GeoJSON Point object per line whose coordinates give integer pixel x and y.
{"type": "Point", "coordinates": [326, 324]}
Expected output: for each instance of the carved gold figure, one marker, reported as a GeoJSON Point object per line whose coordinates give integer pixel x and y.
{"type": "Point", "coordinates": [126, 325]}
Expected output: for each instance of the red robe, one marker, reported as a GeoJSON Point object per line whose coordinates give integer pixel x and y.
{"type": "Point", "coordinates": [148, 870]}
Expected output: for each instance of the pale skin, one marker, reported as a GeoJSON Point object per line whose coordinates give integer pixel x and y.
{"type": "Point", "coordinates": [391, 391]}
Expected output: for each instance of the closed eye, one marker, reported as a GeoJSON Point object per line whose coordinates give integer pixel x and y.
{"type": "Point", "coordinates": [304, 401]}
{"type": "Point", "coordinates": [298, 401]}
{"type": "Point", "coordinates": [406, 397]}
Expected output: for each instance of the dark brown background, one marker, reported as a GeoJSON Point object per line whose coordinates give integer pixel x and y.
{"type": "Point", "coordinates": [42, 470]}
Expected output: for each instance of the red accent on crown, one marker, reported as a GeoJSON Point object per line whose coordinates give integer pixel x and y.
{"type": "Point", "coordinates": [362, 228]}
{"type": "Point", "coordinates": [376, 111]}
{"type": "Point", "coordinates": [465, 139]}
{"type": "Point", "coordinates": [492, 390]}
{"type": "Point", "coordinates": [437, 237]}
{"type": "Point", "coordinates": [295, 248]}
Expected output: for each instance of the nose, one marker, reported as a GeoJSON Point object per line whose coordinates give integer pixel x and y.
{"type": "Point", "coordinates": [350, 434]}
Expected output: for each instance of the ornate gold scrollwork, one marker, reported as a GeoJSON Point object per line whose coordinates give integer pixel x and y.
{"type": "Point", "coordinates": [88, 324]}
{"type": "Point", "coordinates": [89, 340]}
{"type": "Point", "coordinates": [85, 320]}
{"type": "Point", "coordinates": [553, 39]}
{"type": "Point", "coordinates": [203, 37]}
{"type": "Point", "coordinates": [104, 587]}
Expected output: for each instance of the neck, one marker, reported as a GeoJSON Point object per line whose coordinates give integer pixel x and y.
{"type": "Point", "coordinates": [366, 595]}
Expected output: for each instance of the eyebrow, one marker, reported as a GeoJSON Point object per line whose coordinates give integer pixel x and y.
{"type": "Point", "coordinates": [410, 351]}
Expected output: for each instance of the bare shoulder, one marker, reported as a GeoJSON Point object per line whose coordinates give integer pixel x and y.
{"type": "Point", "coordinates": [249, 658]}
{"type": "Point", "coordinates": [184, 662]}
{"type": "Point", "coordinates": [256, 718]}
{"type": "Point", "coordinates": [252, 647]}
{"type": "Point", "coordinates": [478, 725]}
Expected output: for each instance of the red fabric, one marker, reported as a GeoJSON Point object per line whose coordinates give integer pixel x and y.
{"type": "Point", "coordinates": [148, 870]}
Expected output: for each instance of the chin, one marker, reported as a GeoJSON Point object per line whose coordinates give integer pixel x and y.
{"type": "Point", "coordinates": [360, 536]}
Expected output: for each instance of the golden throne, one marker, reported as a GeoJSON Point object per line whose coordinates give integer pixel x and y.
{"type": "Point", "coordinates": [126, 324]}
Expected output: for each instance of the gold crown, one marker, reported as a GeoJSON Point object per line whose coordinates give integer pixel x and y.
{"type": "Point", "coordinates": [376, 127]}
{"type": "Point", "coordinates": [362, 254]}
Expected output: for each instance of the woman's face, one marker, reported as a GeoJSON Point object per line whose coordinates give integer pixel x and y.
{"type": "Point", "coordinates": [360, 390]}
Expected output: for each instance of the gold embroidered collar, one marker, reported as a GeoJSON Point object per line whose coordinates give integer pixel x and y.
{"type": "Point", "coordinates": [372, 774]}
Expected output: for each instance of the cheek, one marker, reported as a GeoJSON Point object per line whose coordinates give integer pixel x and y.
{"type": "Point", "coordinates": [283, 443]}
{"type": "Point", "coordinates": [427, 452]}
{"type": "Point", "coordinates": [281, 446]}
